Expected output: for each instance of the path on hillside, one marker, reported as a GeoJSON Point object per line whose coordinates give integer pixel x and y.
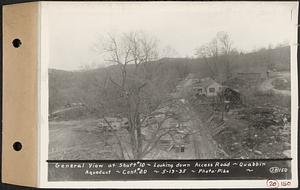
{"type": "Point", "coordinates": [65, 109]}
{"type": "Point", "coordinates": [268, 86]}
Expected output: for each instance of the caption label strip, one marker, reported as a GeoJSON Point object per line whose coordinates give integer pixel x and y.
{"type": "Point", "coordinates": [169, 170]}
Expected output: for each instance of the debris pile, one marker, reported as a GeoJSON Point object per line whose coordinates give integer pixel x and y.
{"type": "Point", "coordinates": [253, 132]}
{"type": "Point", "coordinates": [261, 117]}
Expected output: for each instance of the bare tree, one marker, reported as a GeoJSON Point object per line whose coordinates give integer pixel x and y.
{"type": "Point", "coordinates": [225, 43]}
{"type": "Point", "coordinates": [217, 54]}
{"type": "Point", "coordinates": [226, 50]}
{"type": "Point", "coordinates": [130, 89]}
{"type": "Point", "coordinates": [210, 54]}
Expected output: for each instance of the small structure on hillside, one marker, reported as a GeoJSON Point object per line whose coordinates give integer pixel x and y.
{"type": "Point", "coordinates": [172, 136]}
{"type": "Point", "coordinates": [173, 141]}
{"type": "Point", "coordinates": [207, 87]}
{"type": "Point", "coordinates": [232, 96]}
{"type": "Point", "coordinates": [113, 123]}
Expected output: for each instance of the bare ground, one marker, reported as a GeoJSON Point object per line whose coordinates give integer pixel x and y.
{"type": "Point", "coordinates": [268, 86]}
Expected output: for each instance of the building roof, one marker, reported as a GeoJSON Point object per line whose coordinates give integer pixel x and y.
{"type": "Point", "coordinates": [228, 87]}
{"type": "Point", "coordinates": [205, 82]}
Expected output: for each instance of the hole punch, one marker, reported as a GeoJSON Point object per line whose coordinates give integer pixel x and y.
{"type": "Point", "coordinates": [16, 43]}
{"type": "Point", "coordinates": [17, 146]}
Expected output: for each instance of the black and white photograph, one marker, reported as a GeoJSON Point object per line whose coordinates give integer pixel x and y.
{"type": "Point", "coordinates": [169, 81]}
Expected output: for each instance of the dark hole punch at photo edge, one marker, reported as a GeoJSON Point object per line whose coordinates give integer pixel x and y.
{"type": "Point", "coordinates": [17, 146]}
{"type": "Point", "coordinates": [16, 43]}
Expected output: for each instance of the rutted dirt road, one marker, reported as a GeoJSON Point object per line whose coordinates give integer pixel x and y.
{"type": "Point", "coordinates": [204, 145]}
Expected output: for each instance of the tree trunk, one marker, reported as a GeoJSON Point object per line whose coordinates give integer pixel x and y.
{"type": "Point", "coordinates": [133, 139]}
{"type": "Point", "coordinates": [139, 138]}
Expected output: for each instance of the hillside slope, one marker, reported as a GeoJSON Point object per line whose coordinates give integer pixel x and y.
{"type": "Point", "coordinates": [66, 87]}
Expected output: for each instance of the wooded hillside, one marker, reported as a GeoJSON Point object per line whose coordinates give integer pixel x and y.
{"type": "Point", "coordinates": [66, 87]}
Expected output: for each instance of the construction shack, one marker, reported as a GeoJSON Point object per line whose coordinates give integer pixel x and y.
{"type": "Point", "coordinates": [233, 96]}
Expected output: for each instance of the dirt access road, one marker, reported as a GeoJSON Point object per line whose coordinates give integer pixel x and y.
{"type": "Point", "coordinates": [268, 86]}
{"type": "Point", "coordinates": [204, 145]}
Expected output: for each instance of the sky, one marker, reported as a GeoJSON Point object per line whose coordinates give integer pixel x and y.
{"type": "Point", "coordinates": [74, 28]}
